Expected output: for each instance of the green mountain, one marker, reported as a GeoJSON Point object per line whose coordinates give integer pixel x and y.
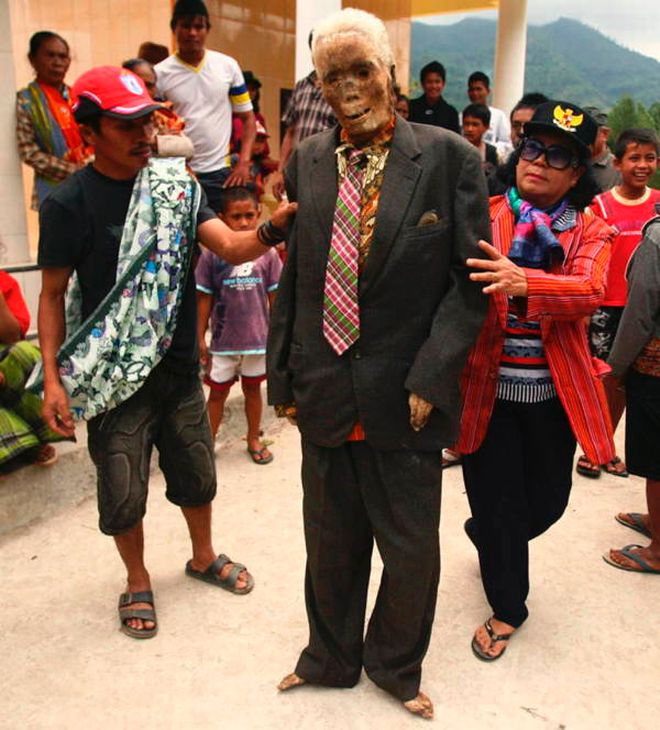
{"type": "Point", "coordinates": [565, 59]}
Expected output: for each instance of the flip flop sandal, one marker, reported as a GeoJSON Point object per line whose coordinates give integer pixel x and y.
{"type": "Point", "coordinates": [212, 575]}
{"type": "Point", "coordinates": [626, 551]}
{"type": "Point", "coordinates": [127, 612]}
{"type": "Point", "coordinates": [635, 522]}
{"type": "Point", "coordinates": [480, 653]}
{"type": "Point", "coordinates": [610, 468]}
{"type": "Point", "coordinates": [587, 469]}
{"type": "Point", "coordinates": [257, 455]}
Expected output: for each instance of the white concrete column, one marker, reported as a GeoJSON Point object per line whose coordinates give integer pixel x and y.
{"type": "Point", "coordinates": [308, 15]}
{"type": "Point", "coordinates": [13, 226]}
{"type": "Point", "coordinates": [510, 48]}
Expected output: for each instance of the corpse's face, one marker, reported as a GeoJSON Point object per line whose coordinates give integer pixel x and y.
{"type": "Point", "coordinates": [355, 84]}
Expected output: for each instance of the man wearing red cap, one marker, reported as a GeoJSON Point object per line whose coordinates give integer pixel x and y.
{"type": "Point", "coordinates": [127, 225]}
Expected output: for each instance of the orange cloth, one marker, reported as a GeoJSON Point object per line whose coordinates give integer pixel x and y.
{"type": "Point", "coordinates": [60, 108]}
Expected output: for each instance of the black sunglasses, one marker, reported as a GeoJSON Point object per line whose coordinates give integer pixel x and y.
{"type": "Point", "coordinates": [556, 156]}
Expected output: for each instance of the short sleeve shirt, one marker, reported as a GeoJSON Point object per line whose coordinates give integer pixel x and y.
{"type": "Point", "coordinates": [308, 110]}
{"type": "Point", "coordinates": [80, 227]}
{"type": "Point", "coordinates": [239, 321]}
{"type": "Point", "coordinates": [205, 96]}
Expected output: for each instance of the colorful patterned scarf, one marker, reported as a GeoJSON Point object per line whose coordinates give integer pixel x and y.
{"type": "Point", "coordinates": [534, 245]}
{"type": "Point", "coordinates": [109, 356]}
{"type": "Point", "coordinates": [56, 130]}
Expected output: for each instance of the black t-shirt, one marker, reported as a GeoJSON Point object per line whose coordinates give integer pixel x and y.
{"type": "Point", "coordinates": [440, 114]}
{"type": "Point", "coordinates": [81, 224]}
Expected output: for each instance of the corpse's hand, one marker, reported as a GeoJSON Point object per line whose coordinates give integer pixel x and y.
{"type": "Point", "coordinates": [420, 410]}
{"type": "Point", "coordinates": [498, 272]}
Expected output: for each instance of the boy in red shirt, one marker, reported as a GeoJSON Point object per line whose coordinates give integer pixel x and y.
{"type": "Point", "coordinates": [626, 207]}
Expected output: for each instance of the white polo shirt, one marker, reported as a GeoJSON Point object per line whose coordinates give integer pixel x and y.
{"type": "Point", "coordinates": [205, 96]}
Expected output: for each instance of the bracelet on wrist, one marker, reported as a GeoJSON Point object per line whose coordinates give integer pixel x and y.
{"type": "Point", "coordinates": [270, 235]}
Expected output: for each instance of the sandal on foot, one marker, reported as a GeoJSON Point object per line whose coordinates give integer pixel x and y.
{"type": "Point", "coordinates": [611, 468]}
{"type": "Point", "coordinates": [494, 638]}
{"type": "Point", "coordinates": [627, 552]}
{"type": "Point", "coordinates": [212, 575]}
{"type": "Point", "coordinates": [450, 458]}
{"type": "Point", "coordinates": [587, 468]}
{"type": "Point", "coordinates": [633, 520]}
{"type": "Point", "coordinates": [260, 456]}
{"type": "Point", "coordinates": [127, 612]}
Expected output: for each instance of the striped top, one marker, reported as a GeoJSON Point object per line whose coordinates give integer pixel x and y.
{"type": "Point", "coordinates": [524, 375]}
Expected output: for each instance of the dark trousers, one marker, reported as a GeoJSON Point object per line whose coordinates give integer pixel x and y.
{"type": "Point", "coordinates": [354, 494]}
{"type": "Point", "coordinates": [518, 483]}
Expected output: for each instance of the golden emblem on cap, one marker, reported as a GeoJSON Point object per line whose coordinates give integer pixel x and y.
{"type": "Point", "coordinates": [567, 119]}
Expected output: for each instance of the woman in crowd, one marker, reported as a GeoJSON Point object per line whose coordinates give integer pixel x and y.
{"type": "Point", "coordinates": [635, 358]}
{"type": "Point", "coordinates": [530, 387]}
{"type": "Point", "coordinates": [22, 431]}
{"type": "Point", "coordinates": [47, 135]}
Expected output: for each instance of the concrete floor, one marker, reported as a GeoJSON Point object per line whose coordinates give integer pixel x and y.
{"type": "Point", "coordinates": [589, 656]}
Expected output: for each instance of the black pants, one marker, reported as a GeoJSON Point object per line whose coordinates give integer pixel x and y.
{"type": "Point", "coordinates": [354, 494]}
{"type": "Point", "coordinates": [518, 483]}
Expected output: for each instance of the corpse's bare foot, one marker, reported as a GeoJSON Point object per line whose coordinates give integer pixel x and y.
{"type": "Point", "coordinates": [290, 681]}
{"type": "Point", "coordinates": [421, 706]}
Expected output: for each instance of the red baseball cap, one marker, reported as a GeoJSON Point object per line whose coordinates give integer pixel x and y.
{"type": "Point", "coordinates": [112, 91]}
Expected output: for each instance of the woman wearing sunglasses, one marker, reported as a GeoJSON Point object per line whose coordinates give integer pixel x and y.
{"type": "Point", "coordinates": [530, 388]}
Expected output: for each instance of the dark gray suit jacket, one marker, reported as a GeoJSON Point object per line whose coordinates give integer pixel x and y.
{"type": "Point", "coordinates": [419, 312]}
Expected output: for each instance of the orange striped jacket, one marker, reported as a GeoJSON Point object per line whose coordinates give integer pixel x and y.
{"type": "Point", "coordinates": [560, 300]}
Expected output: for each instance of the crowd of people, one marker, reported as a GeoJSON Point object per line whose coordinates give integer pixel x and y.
{"type": "Point", "coordinates": [417, 323]}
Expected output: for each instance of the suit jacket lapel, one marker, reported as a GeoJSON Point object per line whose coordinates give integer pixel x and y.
{"type": "Point", "coordinates": [399, 182]}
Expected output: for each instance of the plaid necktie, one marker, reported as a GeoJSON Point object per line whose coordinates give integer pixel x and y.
{"type": "Point", "coordinates": [341, 314]}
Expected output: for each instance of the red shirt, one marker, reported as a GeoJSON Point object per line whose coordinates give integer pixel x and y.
{"type": "Point", "coordinates": [627, 218]}
{"type": "Point", "coordinates": [13, 296]}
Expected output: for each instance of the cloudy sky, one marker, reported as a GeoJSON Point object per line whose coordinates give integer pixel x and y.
{"type": "Point", "coordinates": [632, 23]}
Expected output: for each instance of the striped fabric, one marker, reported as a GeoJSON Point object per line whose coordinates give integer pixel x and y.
{"type": "Point", "coordinates": [560, 301]}
{"type": "Point", "coordinates": [239, 97]}
{"type": "Point", "coordinates": [524, 373]}
{"type": "Point", "coordinates": [341, 312]}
